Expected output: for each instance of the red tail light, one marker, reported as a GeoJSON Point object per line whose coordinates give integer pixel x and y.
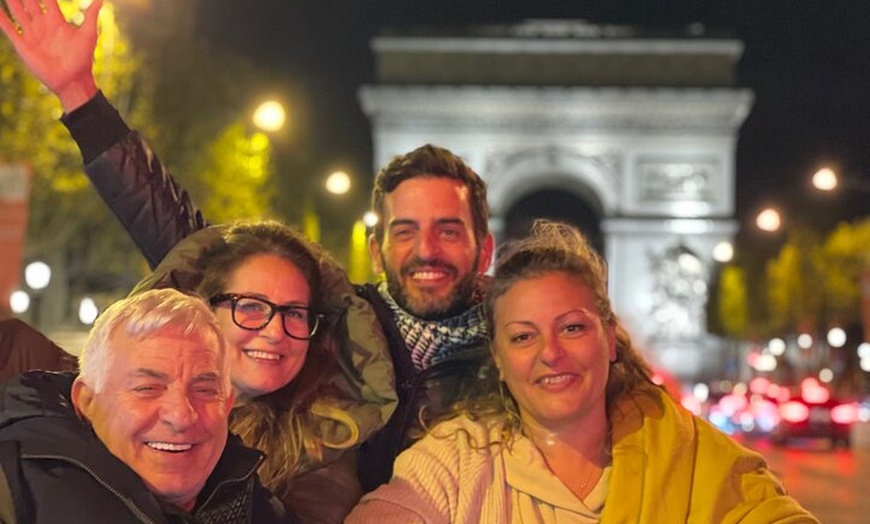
{"type": "Point", "coordinates": [794, 412]}
{"type": "Point", "coordinates": [845, 413]}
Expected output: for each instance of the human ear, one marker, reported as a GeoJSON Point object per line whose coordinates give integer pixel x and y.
{"type": "Point", "coordinates": [375, 254]}
{"type": "Point", "coordinates": [82, 396]}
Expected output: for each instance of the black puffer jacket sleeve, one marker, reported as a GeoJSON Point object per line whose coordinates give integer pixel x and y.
{"type": "Point", "coordinates": [140, 191]}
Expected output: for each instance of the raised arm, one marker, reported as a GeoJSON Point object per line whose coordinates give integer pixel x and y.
{"type": "Point", "coordinates": [152, 207]}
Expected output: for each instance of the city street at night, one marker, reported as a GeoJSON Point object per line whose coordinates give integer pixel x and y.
{"type": "Point", "coordinates": [830, 483]}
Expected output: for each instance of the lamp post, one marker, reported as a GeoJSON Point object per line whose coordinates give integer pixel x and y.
{"type": "Point", "coordinates": [37, 276]}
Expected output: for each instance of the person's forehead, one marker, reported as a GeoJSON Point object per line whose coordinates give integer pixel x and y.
{"type": "Point", "coordinates": [429, 197]}
{"type": "Point", "coordinates": [170, 346]}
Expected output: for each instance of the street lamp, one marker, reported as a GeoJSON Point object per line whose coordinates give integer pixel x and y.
{"type": "Point", "coordinates": [270, 116]}
{"type": "Point", "coordinates": [826, 179]}
{"type": "Point", "coordinates": [338, 183]}
{"type": "Point", "coordinates": [769, 220]}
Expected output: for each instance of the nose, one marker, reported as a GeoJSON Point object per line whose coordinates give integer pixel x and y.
{"type": "Point", "coordinates": [274, 329]}
{"type": "Point", "coordinates": [178, 411]}
{"type": "Point", "coordinates": [428, 245]}
{"type": "Point", "coordinates": [551, 350]}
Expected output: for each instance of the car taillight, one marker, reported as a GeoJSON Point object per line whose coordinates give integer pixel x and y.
{"type": "Point", "coordinates": [814, 393]}
{"type": "Point", "coordinates": [845, 413]}
{"type": "Point", "coordinates": [794, 411]}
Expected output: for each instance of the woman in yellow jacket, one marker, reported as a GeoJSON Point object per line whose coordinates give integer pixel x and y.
{"type": "Point", "coordinates": [570, 428]}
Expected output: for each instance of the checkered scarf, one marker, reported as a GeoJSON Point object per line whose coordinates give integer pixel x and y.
{"type": "Point", "coordinates": [433, 341]}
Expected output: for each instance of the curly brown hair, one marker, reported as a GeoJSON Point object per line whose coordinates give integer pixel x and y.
{"type": "Point", "coordinates": [551, 247]}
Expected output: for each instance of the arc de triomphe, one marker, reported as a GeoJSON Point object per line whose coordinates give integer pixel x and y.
{"type": "Point", "coordinates": [629, 135]}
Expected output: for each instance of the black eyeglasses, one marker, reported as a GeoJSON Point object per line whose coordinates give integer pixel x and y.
{"type": "Point", "coordinates": [254, 313]}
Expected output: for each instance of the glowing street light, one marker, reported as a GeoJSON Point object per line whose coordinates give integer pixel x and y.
{"type": "Point", "coordinates": [37, 275]}
{"type": "Point", "coordinates": [825, 179]}
{"type": "Point", "coordinates": [769, 220]}
{"type": "Point", "coordinates": [338, 183]}
{"type": "Point", "coordinates": [370, 219]}
{"type": "Point", "coordinates": [270, 116]}
{"type": "Point", "coordinates": [19, 301]}
{"type": "Point", "coordinates": [723, 252]}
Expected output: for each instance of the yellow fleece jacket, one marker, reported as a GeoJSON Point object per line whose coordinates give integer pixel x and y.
{"type": "Point", "coordinates": [668, 467]}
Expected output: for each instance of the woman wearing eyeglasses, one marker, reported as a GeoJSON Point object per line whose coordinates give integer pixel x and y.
{"type": "Point", "coordinates": [287, 308]}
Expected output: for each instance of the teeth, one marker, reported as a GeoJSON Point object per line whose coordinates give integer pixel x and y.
{"type": "Point", "coordinates": [557, 379]}
{"type": "Point", "coordinates": [428, 275]}
{"type": "Point", "coordinates": [262, 355]}
{"type": "Point", "coordinates": [168, 446]}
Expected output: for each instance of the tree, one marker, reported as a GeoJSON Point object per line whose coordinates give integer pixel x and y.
{"type": "Point", "coordinates": [237, 172]}
{"type": "Point", "coordinates": [86, 247]}
{"type": "Point", "coordinates": [846, 257]}
{"type": "Point", "coordinates": [793, 279]}
{"type": "Point", "coordinates": [732, 302]}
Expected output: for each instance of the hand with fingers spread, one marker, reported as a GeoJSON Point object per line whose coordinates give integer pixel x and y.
{"type": "Point", "coordinates": [57, 52]}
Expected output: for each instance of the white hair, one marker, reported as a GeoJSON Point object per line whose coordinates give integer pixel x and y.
{"type": "Point", "coordinates": [142, 315]}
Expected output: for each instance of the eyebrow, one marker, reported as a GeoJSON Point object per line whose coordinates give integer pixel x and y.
{"type": "Point", "coordinates": [252, 294]}
{"type": "Point", "coordinates": [208, 376]}
{"type": "Point", "coordinates": [583, 311]}
{"type": "Point", "coordinates": [147, 372]}
{"type": "Point", "coordinates": [447, 221]}
{"type": "Point", "coordinates": [151, 373]}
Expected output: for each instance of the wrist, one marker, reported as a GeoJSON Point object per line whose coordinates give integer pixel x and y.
{"type": "Point", "coordinates": [75, 94]}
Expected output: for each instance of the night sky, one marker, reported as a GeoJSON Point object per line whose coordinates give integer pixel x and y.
{"type": "Point", "coordinates": [808, 64]}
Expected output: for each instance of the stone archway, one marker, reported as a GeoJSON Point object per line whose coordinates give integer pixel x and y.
{"type": "Point", "coordinates": [555, 204]}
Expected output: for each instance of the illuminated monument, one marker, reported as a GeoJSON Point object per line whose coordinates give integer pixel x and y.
{"type": "Point", "coordinates": [630, 135]}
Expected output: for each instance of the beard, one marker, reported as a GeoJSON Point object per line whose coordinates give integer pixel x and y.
{"type": "Point", "coordinates": [423, 303]}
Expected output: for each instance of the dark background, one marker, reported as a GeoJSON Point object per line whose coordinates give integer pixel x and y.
{"type": "Point", "coordinates": [808, 63]}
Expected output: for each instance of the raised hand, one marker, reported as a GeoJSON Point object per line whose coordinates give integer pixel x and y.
{"type": "Point", "coordinates": [57, 52]}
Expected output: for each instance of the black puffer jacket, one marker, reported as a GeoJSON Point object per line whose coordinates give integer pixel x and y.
{"type": "Point", "coordinates": [58, 471]}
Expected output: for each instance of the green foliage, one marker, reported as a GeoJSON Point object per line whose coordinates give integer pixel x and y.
{"type": "Point", "coordinates": [845, 257]}
{"type": "Point", "coordinates": [732, 302]}
{"type": "Point", "coordinates": [237, 173]}
{"type": "Point", "coordinates": [812, 283]}
{"type": "Point", "coordinates": [793, 282]}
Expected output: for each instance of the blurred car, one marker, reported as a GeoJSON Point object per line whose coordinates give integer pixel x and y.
{"type": "Point", "coordinates": [815, 414]}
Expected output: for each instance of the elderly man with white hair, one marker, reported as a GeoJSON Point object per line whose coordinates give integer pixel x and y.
{"type": "Point", "coordinates": [140, 435]}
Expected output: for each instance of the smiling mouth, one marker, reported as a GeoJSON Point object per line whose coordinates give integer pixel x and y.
{"type": "Point", "coordinates": [169, 447]}
{"type": "Point", "coordinates": [262, 355]}
{"type": "Point", "coordinates": [430, 276]}
{"type": "Point", "coordinates": [555, 380]}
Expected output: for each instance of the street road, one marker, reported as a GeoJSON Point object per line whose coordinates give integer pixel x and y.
{"type": "Point", "coordinates": [831, 484]}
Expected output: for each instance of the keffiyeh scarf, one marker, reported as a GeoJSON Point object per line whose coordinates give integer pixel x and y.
{"type": "Point", "coordinates": [433, 341]}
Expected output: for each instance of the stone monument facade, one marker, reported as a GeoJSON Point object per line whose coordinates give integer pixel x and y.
{"type": "Point", "coordinates": [627, 133]}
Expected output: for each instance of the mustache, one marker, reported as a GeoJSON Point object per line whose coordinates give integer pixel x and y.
{"type": "Point", "coordinates": [418, 263]}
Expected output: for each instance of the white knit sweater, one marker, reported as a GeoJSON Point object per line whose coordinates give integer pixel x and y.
{"type": "Point", "coordinates": [497, 484]}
